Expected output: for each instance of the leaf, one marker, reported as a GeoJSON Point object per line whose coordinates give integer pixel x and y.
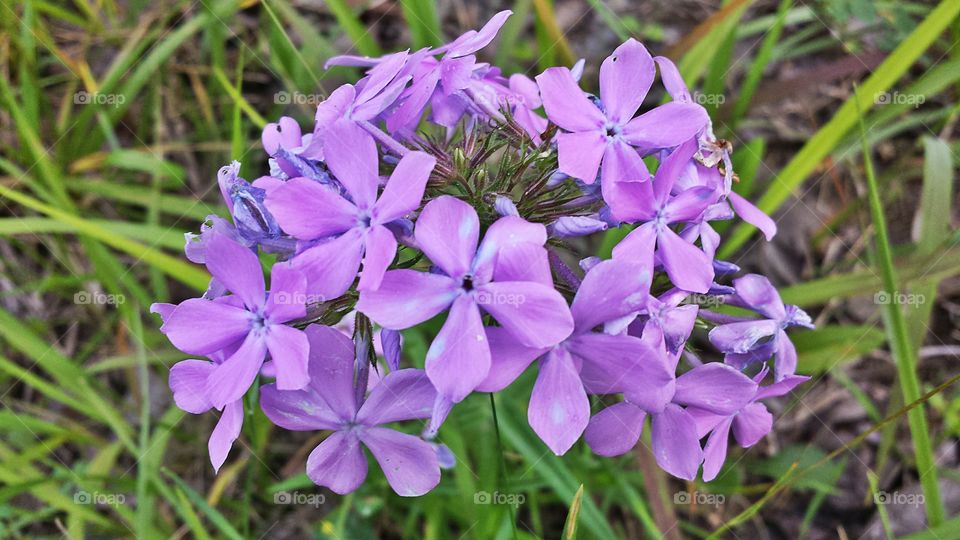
{"type": "Point", "coordinates": [570, 526]}
{"type": "Point", "coordinates": [829, 346]}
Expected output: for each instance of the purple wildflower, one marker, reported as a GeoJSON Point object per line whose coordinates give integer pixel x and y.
{"type": "Point", "coordinates": [249, 317]}
{"type": "Point", "coordinates": [689, 267]}
{"type": "Point", "coordinates": [508, 276]}
{"type": "Point", "coordinates": [351, 229]}
{"type": "Point", "coordinates": [755, 340]}
{"type": "Point", "coordinates": [608, 137]}
{"type": "Point", "coordinates": [329, 402]}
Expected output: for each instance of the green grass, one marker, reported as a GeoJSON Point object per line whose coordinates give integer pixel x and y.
{"type": "Point", "coordinates": [96, 198]}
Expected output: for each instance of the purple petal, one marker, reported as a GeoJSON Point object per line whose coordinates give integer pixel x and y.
{"type": "Point", "coordinates": [565, 103]}
{"type": "Point", "coordinates": [687, 265]}
{"type": "Point", "coordinates": [306, 209]}
{"type": "Point", "coordinates": [715, 387]}
{"type": "Point", "coordinates": [615, 430]}
{"type": "Point", "coordinates": [631, 201]}
{"type": "Point", "coordinates": [285, 133]}
{"type": "Point", "coordinates": [298, 410]}
{"type": "Point", "coordinates": [481, 38]}
{"type": "Point", "coordinates": [338, 463]}
{"type": "Point", "coordinates": [381, 248]}
{"type": "Point", "coordinates": [618, 363]}
{"type": "Point", "coordinates": [625, 78]}
{"type": "Point", "coordinates": [675, 442]}
{"type": "Point", "coordinates": [533, 313]}
{"type": "Point", "coordinates": [780, 388]}
{"type": "Point", "coordinates": [638, 246]}
{"type": "Point", "coordinates": [621, 163]}
{"type": "Point", "coordinates": [459, 357]}
{"type": "Point", "coordinates": [413, 102]}
{"type": "Point", "coordinates": [351, 154]}
{"type": "Point", "coordinates": [404, 190]}
{"type": "Point", "coordinates": [579, 154]}
{"type": "Point", "coordinates": [785, 359]}
{"type": "Point", "coordinates": [188, 380]}
{"type": "Point", "coordinates": [689, 205]}
{"type": "Point", "coordinates": [610, 290]}
{"type": "Point", "coordinates": [409, 463]}
{"type": "Point", "coordinates": [289, 350]}
{"type": "Point", "coordinates": [672, 80]}
{"type": "Point", "coordinates": [672, 168]}
{"type": "Point", "coordinates": [331, 267]}
{"type": "Point", "coordinates": [523, 262]}
{"type": "Point", "coordinates": [559, 409]}
{"type": "Point", "coordinates": [677, 325]}
{"type": "Point", "coordinates": [407, 298]}
{"type": "Point", "coordinates": [231, 379]}
{"type": "Point", "coordinates": [392, 343]}
{"type": "Point", "coordinates": [715, 451]}
{"type": "Point", "coordinates": [447, 231]}
{"type": "Point", "coordinates": [756, 292]}
{"type": "Point", "coordinates": [287, 299]}
{"type": "Point", "coordinates": [508, 359]}
{"type": "Point", "coordinates": [200, 326]}
{"type": "Point", "coordinates": [753, 215]}
{"type": "Point", "coordinates": [503, 239]}
{"type": "Point", "coordinates": [666, 126]}
{"type": "Point", "coordinates": [238, 269]}
{"type": "Point", "coordinates": [742, 337]}
{"type": "Point", "coordinates": [331, 369]}
{"type": "Point", "coordinates": [226, 431]}
{"type": "Point", "coordinates": [380, 75]}
{"type": "Point", "coordinates": [752, 424]}
{"type": "Point", "coordinates": [406, 394]}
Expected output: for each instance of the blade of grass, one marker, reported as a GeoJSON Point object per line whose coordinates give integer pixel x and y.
{"type": "Point", "coordinates": [825, 140]}
{"type": "Point", "coordinates": [556, 43]}
{"type": "Point", "coordinates": [421, 16]}
{"type": "Point", "coordinates": [901, 346]}
{"type": "Point", "coordinates": [359, 35]}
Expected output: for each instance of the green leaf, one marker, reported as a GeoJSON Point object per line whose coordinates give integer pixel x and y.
{"type": "Point", "coordinates": [830, 346]}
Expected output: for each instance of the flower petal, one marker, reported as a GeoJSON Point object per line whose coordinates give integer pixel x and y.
{"type": "Point", "coordinates": [752, 424]}
{"type": "Point", "coordinates": [579, 154]}
{"type": "Point", "coordinates": [289, 350]}
{"type": "Point", "coordinates": [188, 380]}
{"type": "Point", "coordinates": [687, 265]}
{"type": "Point", "coordinates": [459, 357]}
{"type": "Point", "coordinates": [200, 326]}
{"type": "Point", "coordinates": [331, 368]}
{"type": "Point", "coordinates": [307, 209]}
{"type": "Point", "coordinates": [753, 215]}
{"type": "Point", "coordinates": [406, 298]}
{"type": "Point", "coordinates": [404, 189]}
{"type": "Point", "coordinates": [351, 154]}
{"type": "Point", "coordinates": [625, 78]}
{"type": "Point", "coordinates": [238, 269]}
{"type": "Point", "coordinates": [565, 103]}
{"type": "Point", "coordinates": [406, 394]}
{"type": "Point", "coordinates": [298, 410]}
{"type": "Point", "coordinates": [621, 163]}
{"type": "Point", "coordinates": [331, 267]}
{"type": "Point", "coordinates": [338, 463]}
{"type": "Point", "coordinates": [231, 379]}
{"type": "Point", "coordinates": [742, 337]}
{"type": "Point", "coordinates": [559, 409]}
{"type": "Point", "coordinates": [226, 431]}
{"type": "Point", "coordinates": [666, 126]}
{"type": "Point", "coordinates": [380, 249]}
{"type": "Point", "coordinates": [504, 236]}
{"type": "Point", "coordinates": [618, 363]}
{"type": "Point", "coordinates": [615, 430]}
{"type": "Point", "coordinates": [715, 452]}
{"type": "Point", "coordinates": [756, 292]}
{"type": "Point", "coordinates": [675, 442]}
{"type": "Point", "coordinates": [508, 359]}
{"type": "Point", "coordinates": [409, 463]}
{"type": "Point", "coordinates": [447, 231]}
{"type": "Point", "coordinates": [610, 290]}
{"type": "Point", "coordinates": [288, 294]}
{"type": "Point", "coordinates": [533, 313]}
{"type": "Point", "coordinates": [715, 387]}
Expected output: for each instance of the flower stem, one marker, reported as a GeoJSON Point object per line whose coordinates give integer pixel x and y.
{"type": "Point", "coordinates": [502, 481]}
{"type": "Point", "coordinates": [386, 140]}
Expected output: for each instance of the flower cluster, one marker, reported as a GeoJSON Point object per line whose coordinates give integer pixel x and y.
{"type": "Point", "coordinates": [384, 218]}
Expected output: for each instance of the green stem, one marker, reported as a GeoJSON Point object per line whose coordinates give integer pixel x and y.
{"type": "Point", "coordinates": [502, 481]}
{"type": "Point", "coordinates": [903, 351]}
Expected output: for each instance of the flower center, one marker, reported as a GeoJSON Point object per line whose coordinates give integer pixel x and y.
{"type": "Point", "coordinates": [467, 283]}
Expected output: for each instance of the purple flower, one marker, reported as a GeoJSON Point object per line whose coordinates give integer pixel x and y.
{"type": "Point", "coordinates": [749, 424]}
{"type": "Point", "coordinates": [606, 136]}
{"type": "Point", "coordinates": [249, 317]}
{"type": "Point", "coordinates": [508, 276]}
{"type": "Point", "coordinates": [330, 402]}
{"type": "Point", "coordinates": [353, 229]}
{"type": "Point", "coordinates": [586, 362]}
{"type": "Point", "coordinates": [651, 204]}
{"type": "Point", "coordinates": [713, 387]}
{"type": "Point", "coordinates": [755, 340]}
